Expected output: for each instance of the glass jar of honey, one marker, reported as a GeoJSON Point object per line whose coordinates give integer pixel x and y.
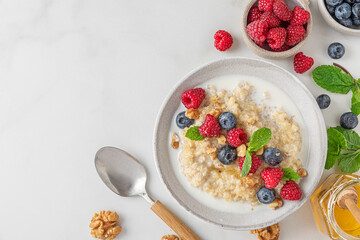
{"type": "Point", "coordinates": [332, 220]}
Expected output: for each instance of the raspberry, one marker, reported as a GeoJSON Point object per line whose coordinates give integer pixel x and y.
{"type": "Point", "coordinates": [260, 44]}
{"type": "Point", "coordinates": [256, 163]}
{"type": "Point", "coordinates": [271, 19]}
{"type": "Point", "coordinates": [266, 5]}
{"type": "Point", "coordinates": [276, 37]}
{"type": "Point", "coordinates": [254, 14]}
{"type": "Point", "coordinates": [300, 16]}
{"type": "Point", "coordinates": [223, 40]}
{"type": "Point", "coordinates": [295, 34]}
{"type": "Point", "coordinates": [257, 30]}
{"type": "Point", "coordinates": [290, 191]}
{"type": "Point", "coordinates": [236, 137]}
{"type": "Point", "coordinates": [272, 177]}
{"type": "Point", "coordinates": [282, 10]}
{"type": "Point", "coordinates": [281, 49]}
{"type": "Point", "coordinates": [193, 98]}
{"type": "Point", "coordinates": [210, 128]}
{"type": "Point", "coordinates": [302, 63]}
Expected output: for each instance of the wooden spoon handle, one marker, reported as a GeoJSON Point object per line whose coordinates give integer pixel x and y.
{"type": "Point", "coordinates": [173, 222]}
{"type": "Point", "coordinates": [353, 208]}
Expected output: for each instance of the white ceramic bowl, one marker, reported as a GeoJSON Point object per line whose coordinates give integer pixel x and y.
{"type": "Point", "coordinates": [333, 23]}
{"type": "Point", "coordinates": [312, 118]}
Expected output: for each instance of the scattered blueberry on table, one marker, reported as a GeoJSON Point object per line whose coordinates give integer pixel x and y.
{"type": "Point", "coordinates": [336, 50]}
{"type": "Point", "coordinates": [349, 120]}
{"type": "Point", "coordinates": [323, 101]}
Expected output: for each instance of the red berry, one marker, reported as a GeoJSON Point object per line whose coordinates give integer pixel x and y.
{"type": "Point", "coordinates": [300, 16]}
{"type": "Point", "coordinates": [257, 30]}
{"type": "Point", "coordinates": [193, 98]}
{"type": "Point", "coordinates": [302, 63]}
{"type": "Point", "coordinates": [295, 34]}
{"type": "Point", "coordinates": [256, 163]}
{"type": "Point", "coordinates": [290, 191]}
{"type": "Point", "coordinates": [266, 5]}
{"type": "Point", "coordinates": [254, 14]}
{"type": "Point", "coordinates": [210, 128]}
{"type": "Point", "coordinates": [223, 40]}
{"type": "Point", "coordinates": [276, 37]}
{"type": "Point", "coordinates": [282, 10]}
{"type": "Point", "coordinates": [235, 137]}
{"type": "Point", "coordinates": [281, 49]}
{"type": "Point", "coordinates": [271, 19]}
{"type": "Point", "coordinates": [272, 177]}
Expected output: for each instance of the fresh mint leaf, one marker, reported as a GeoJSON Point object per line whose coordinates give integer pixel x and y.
{"type": "Point", "coordinates": [331, 160]}
{"type": "Point", "coordinates": [193, 134]}
{"type": "Point", "coordinates": [352, 138]}
{"type": "Point", "coordinates": [336, 141]}
{"type": "Point", "coordinates": [333, 79]}
{"type": "Point", "coordinates": [349, 162]}
{"type": "Point", "coordinates": [355, 102]}
{"type": "Point", "coordinates": [290, 175]}
{"type": "Point", "coordinates": [259, 138]}
{"type": "Point", "coordinates": [247, 164]}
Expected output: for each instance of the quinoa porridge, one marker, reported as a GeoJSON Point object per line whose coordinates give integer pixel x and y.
{"type": "Point", "coordinates": [198, 159]}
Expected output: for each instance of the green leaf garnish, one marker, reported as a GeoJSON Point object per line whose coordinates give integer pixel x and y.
{"type": "Point", "coordinates": [247, 164]}
{"type": "Point", "coordinates": [333, 79]}
{"type": "Point", "coordinates": [194, 134]}
{"type": "Point", "coordinates": [351, 137]}
{"type": "Point", "coordinates": [349, 162]}
{"type": "Point", "coordinates": [355, 102]}
{"type": "Point", "coordinates": [290, 175]}
{"type": "Point", "coordinates": [259, 138]}
{"type": "Point", "coordinates": [336, 141]}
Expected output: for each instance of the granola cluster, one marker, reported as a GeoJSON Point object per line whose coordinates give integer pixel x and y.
{"type": "Point", "coordinates": [268, 233]}
{"type": "Point", "coordinates": [104, 225]}
{"type": "Point", "coordinates": [170, 237]}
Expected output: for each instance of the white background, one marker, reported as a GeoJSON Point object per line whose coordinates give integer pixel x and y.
{"type": "Point", "coordinates": [76, 75]}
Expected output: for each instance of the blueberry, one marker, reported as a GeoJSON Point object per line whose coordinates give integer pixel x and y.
{"type": "Point", "coordinates": [346, 22]}
{"type": "Point", "coordinates": [227, 155]}
{"type": "Point", "coordinates": [336, 50]}
{"type": "Point", "coordinates": [227, 120]}
{"type": "Point", "coordinates": [343, 11]}
{"type": "Point", "coordinates": [356, 10]}
{"type": "Point", "coordinates": [323, 101]}
{"type": "Point", "coordinates": [356, 21]}
{"type": "Point", "coordinates": [350, 1]}
{"type": "Point", "coordinates": [265, 195]}
{"type": "Point", "coordinates": [182, 121]}
{"type": "Point", "coordinates": [357, 1]}
{"type": "Point", "coordinates": [349, 120]}
{"type": "Point", "coordinates": [272, 156]}
{"type": "Point", "coordinates": [331, 9]}
{"type": "Point", "coordinates": [333, 2]}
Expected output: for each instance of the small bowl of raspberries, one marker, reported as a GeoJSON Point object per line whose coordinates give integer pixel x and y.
{"type": "Point", "coordinates": [276, 29]}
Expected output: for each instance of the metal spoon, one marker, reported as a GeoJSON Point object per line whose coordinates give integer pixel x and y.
{"type": "Point", "coordinates": [125, 176]}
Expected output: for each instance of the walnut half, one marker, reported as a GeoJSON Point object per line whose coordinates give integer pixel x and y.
{"type": "Point", "coordinates": [103, 225]}
{"type": "Point", "coordinates": [268, 233]}
{"type": "Point", "coordinates": [169, 237]}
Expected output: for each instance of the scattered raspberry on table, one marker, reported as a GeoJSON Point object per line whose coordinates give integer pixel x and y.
{"type": "Point", "coordinates": [302, 63]}
{"type": "Point", "coordinates": [223, 40]}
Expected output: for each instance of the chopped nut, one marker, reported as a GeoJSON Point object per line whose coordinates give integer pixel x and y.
{"type": "Point", "coordinates": [268, 233]}
{"type": "Point", "coordinates": [175, 141]}
{"type": "Point", "coordinates": [260, 151]}
{"type": "Point", "coordinates": [169, 237]}
{"type": "Point", "coordinates": [192, 113]}
{"type": "Point", "coordinates": [251, 181]}
{"type": "Point", "coordinates": [212, 153]}
{"type": "Point", "coordinates": [241, 150]}
{"type": "Point", "coordinates": [215, 100]}
{"type": "Point", "coordinates": [222, 140]}
{"type": "Point", "coordinates": [302, 172]}
{"type": "Point", "coordinates": [277, 203]}
{"type": "Point", "coordinates": [103, 225]}
{"type": "Point", "coordinates": [215, 112]}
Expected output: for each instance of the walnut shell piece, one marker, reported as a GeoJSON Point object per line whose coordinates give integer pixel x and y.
{"type": "Point", "coordinates": [103, 225]}
{"type": "Point", "coordinates": [268, 233]}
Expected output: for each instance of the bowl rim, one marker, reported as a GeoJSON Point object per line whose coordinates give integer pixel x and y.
{"type": "Point", "coordinates": [269, 54]}
{"type": "Point", "coordinates": [180, 201]}
{"type": "Point", "coordinates": [333, 23]}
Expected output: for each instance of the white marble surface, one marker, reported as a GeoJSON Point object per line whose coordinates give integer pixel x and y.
{"type": "Point", "coordinates": [77, 75]}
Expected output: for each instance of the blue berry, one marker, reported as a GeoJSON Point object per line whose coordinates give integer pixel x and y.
{"type": "Point", "coordinates": [349, 120]}
{"type": "Point", "coordinates": [227, 120]}
{"type": "Point", "coordinates": [343, 11]}
{"type": "Point", "coordinates": [227, 155]}
{"type": "Point", "coordinates": [331, 9]}
{"type": "Point", "coordinates": [350, 1]}
{"type": "Point", "coordinates": [265, 195]}
{"type": "Point", "coordinates": [333, 2]}
{"type": "Point", "coordinates": [323, 101]}
{"type": "Point", "coordinates": [336, 50]}
{"type": "Point", "coordinates": [356, 10]}
{"type": "Point", "coordinates": [356, 21]}
{"type": "Point", "coordinates": [357, 1]}
{"type": "Point", "coordinates": [182, 121]}
{"type": "Point", "coordinates": [346, 22]}
{"type": "Point", "coordinates": [272, 156]}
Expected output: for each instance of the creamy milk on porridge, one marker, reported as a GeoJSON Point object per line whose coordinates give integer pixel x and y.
{"type": "Point", "coordinates": [263, 93]}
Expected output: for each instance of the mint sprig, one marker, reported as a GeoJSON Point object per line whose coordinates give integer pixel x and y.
{"type": "Point", "coordinates": [337, 79]}
{"type": "Point", "coordinates": [289, 175]}
{"type": "Point", "coordinates": [194, 134]}
{"type": "Point", "coordinates": [259, 139]}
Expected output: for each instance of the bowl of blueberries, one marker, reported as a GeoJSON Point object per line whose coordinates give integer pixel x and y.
{"type": "Point", "coordinates": [342, 15]}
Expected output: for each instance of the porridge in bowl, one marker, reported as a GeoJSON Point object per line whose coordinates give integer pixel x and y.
{"type": "Point", "coordinates": [236, 149]}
